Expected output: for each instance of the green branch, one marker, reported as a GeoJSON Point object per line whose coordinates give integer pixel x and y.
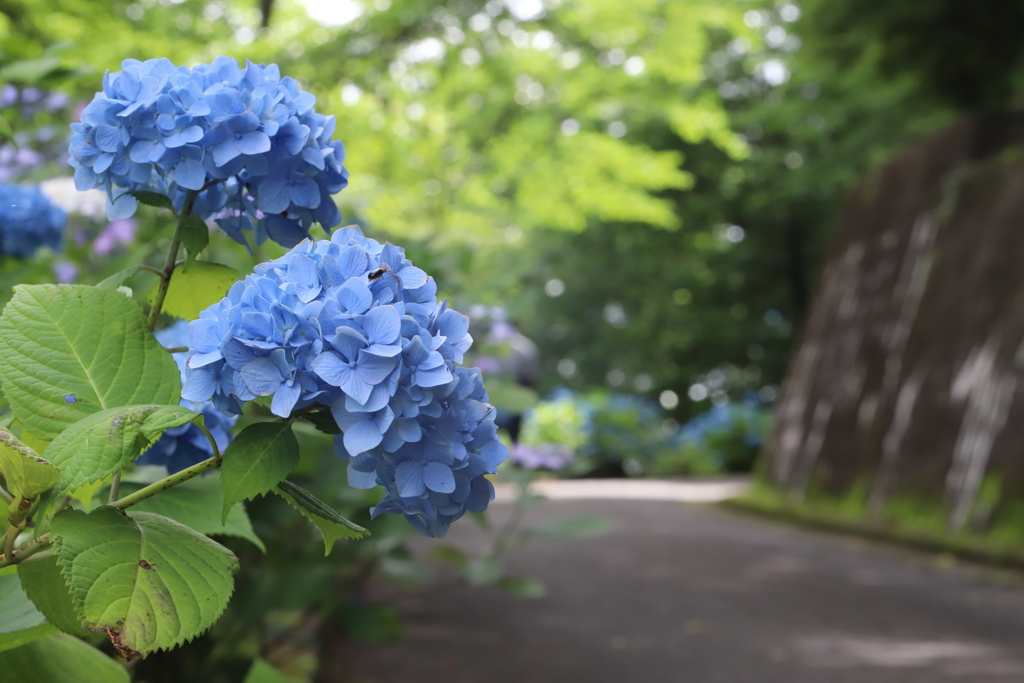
{"type": "Point", "coordinates": [25, 552]}
{"type": "Point", "coordinates": [209, 437]}
{"type": "Point", "coordinates": [9, 538]}
{"type": "Point", "coordinates": [172, 259]}
{"type": "Point", "coordinates": [169, 482]}
{"type": "Point", "coordinates": [115, 485]}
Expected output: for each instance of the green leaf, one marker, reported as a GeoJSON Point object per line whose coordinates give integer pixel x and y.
{"type": "Point", "coordinates": [575, 526]}
{"type": "Point", "coordinates": [151, 583]}
{"type": "Point", "coordinates": [332, 525]}
{"type": "Point", "coordinates": [6, 132]}
{"type": "Point", "coordinates": [194, 235]}
{"type": "Point", "coordinates": [484, 571]}
{"type": "Point", "coordinates": [450, 554]}
{"type": "Point", "coordinates": [51, 659]}
{"type": "Point", "coordinates": [260, 456]}
{"type": "Point", "coordinates": [27, 475]}
{"type": "Point", "coordinates": [44, 584]}
{"type": "Point", "coordinates": [20, 621]}
{"type": "Point", "coordinates": [189, 293]}
{"type": "Point", "coordinates": [87, 344]}
{"type": "Point", "coordinates": [372, 623]}
{"type": "Point", "coordinates": [34, 442]}
{"type": "Point", "coordinates": [510, 396]}
{"type": "Point", "coordinates": [86, 493]}
{"type": "Point", "coordinates": [108, 441]}
{"type": "Point", "coordinates": [323, 421]}
{"type": "Point", "coordinates": [523, 588]}
{"type": "Point", "coordinates": [152, 199]}
{"type": "Point", "coordinates": [261, 672]}
{"type": "Point", "coordinates": [197, 504]}
{"type": "Point", "coordinates": [29, 71]}
{"type": "Point", "coordinates": [118, 278]}
{"type": "Point", "coordinates": [18, 638]}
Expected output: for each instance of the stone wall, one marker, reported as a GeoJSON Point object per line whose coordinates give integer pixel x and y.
{"type": "Point", "coordinates": [909, 379]}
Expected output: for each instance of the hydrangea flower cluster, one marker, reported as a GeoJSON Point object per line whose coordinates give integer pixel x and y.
{"type": "Point", "coordinates": [28, 220]}
{"type": "Point", "coordinates": [248, 138]}
{"type": "Point", "coordinates": [184, 446]}
{"type": "Point", "coordinates": [551, 456]}
{"type": "Point", "coordinates": [352, 324]}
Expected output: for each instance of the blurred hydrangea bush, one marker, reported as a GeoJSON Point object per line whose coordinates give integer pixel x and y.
{"type": "Point", "coordinates": [248, 140]}
{"type": "Point", "coordinates": [613, 434]}
{"type": "Point", "coordinates": [28, 221]}
{"type": "Point", "coordinates": [726, 438]}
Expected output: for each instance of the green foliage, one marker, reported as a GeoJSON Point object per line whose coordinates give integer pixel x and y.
{"type": "Point", "coordinates": [192, 290]}
{"type": "Point", "coordinates": [198, 504]}
{"type": "Point", "coordinates": [523, 587]}
{"type": "Point", "coordinates": [562, 421]}
{"type": "Point", "coordinates": [44, 584]}
{"type": "Point", "coordinates": [332, 525]}
{"type": "Point", "coordinates": [965, 54]}
{"type": "Point", "coordinates": [194, 235]}
{"type": "Point", "coordinates": [22, 622]}
{"type": "Point", "coordinates": [29, 70]}
{"type": "Point", "coordinates": [108, 441]}
{"type": "Point", "coordinates": [261, 672]}
{"type": "Point", "coordinates": [51, 659]}
{"type": "Point", "coordinates": [371, 623]}
{"type": "Point", "coordinates": [84, 342]}
{"type": "Point", "coordinates": [575, 526]}
{"type": "Point", "coordinates": [507, 395]}
{"type": "Point", "coordinates": [25, 473]}
{"type": "Point", "coordinates": [154, 199]}
{"type": "Point", "coordinates": [258, 459]}
{"type": "Point", "coordinates": [323, 421]}
{"type": "Point", "coordinates": [148, 581]}
{"type": "Point", "coordinates": [118, 279]}
{"type": "Point", "coordinates": [484, 571]}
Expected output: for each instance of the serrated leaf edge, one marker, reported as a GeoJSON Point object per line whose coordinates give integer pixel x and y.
{"type": "Point", "coordinates": [360, 532]}
{"type": "Point", "coordinates": [62, 486]}
{"type": "Point", "coordinates": [178, 642]}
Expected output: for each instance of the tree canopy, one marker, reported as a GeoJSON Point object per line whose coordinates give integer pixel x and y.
{"type": "Point", "coordinates": [676, 167]}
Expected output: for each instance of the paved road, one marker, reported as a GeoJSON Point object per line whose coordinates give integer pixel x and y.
{"type": "Point", "coordinates": [695, 594]}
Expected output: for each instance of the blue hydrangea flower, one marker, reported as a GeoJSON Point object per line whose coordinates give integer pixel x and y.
{"type": "Point", "coordinates": [353, 325]}
{"type": "Point", "coordinates": [247, 135]}
{"type": "Point", "coordinates": [184, 446]}
{"type": "Point", "coordinates": [28, 220]}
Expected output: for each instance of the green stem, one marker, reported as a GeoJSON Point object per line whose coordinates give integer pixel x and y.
{"type": "Point", "coordinates": [209, 437]}
{"type": "Point", "coordinates": [508, 529]}
{"type": "Point", "coordinates": [114, 486]}
{"type": "Point", "coordinates": [9, 539]}
{"type": "Point", "coordinates": [25, 552]}
{"type": "Point", "coordinates": [172, 259]}
{"type": "Point", "coordinates": [5, 497]}
{"type": "Point", "coordinates": [168, 482]}
{"type": "Point", "coordinates": [177, 349]}
{"type": "Point", "coordinates": [155, 271]}
{"type": "Point", "coordinates": [39, 556]}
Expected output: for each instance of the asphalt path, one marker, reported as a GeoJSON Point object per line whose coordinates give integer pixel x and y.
{"type": "Point", "coordinates": [695, 594]}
